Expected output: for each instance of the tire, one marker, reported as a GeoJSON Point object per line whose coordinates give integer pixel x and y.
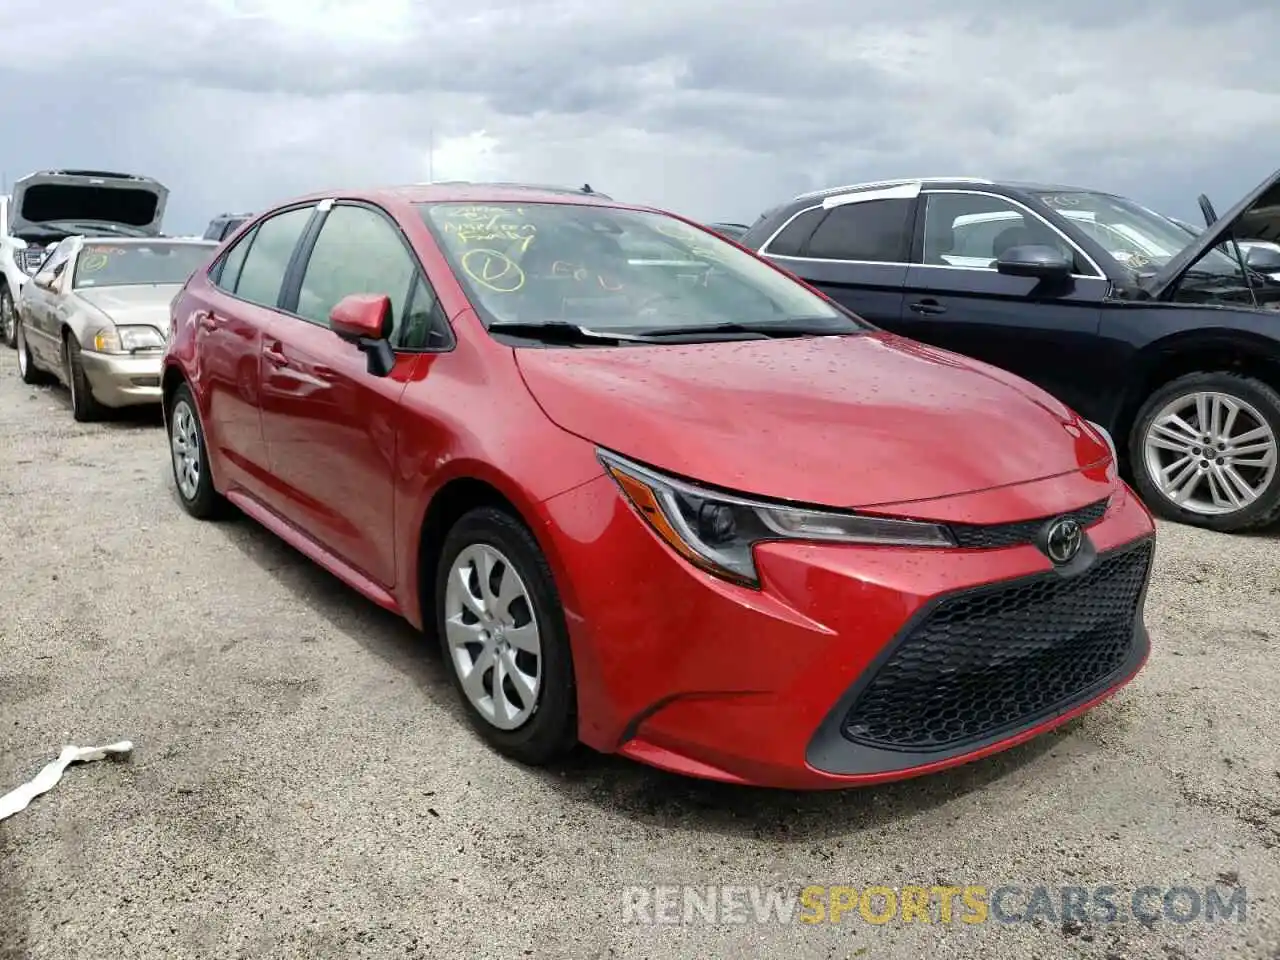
{"type": "Point", "coordinates": [84, 407]}
{"type": "Point", "coordinates": [8, 317]}
{"type": "Point", "coordinates": [195, 490]}
{"type": "Point", "coordinates": [545, 727]}
{"type": "Point", "coordinates": [1258, 413]}
{"type": "Point", "coordinates": [27, 369]}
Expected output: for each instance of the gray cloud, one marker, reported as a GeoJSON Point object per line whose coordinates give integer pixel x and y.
{"type": "Point", "coordinates": [716, 108]}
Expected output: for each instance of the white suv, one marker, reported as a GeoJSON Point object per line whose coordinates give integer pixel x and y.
{"type": "Point", "coordinates": [49, 205]}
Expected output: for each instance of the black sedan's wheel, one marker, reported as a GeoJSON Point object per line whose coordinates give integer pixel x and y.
{"type": "Point", "coordinates": [504, 637]}
{"type": "Point", "coordinates": [1204, 451]}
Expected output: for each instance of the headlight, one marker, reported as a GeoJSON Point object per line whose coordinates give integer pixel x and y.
{"type": "Point", "coordinates": [125, 339]}
{"type": "Point", "coordinates": [717, 531]}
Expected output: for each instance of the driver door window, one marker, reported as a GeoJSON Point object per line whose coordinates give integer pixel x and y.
{"type": "Point", "coordinates": [359, 250]}
{"type": "Point", "coordinates": [974, 230]}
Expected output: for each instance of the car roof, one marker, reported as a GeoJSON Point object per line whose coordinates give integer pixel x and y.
{"type": "Point", "coordinates": [959, 182]}
{"type": "Point", "coordinates": [460, 191]}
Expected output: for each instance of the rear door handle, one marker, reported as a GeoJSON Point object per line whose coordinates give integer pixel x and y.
{"type": "Point", "coordinates": [274, 354]}
{"type": "Point", "coordinates": [209, 322]}
{"type": "Point", "coordinates": [928, 308]}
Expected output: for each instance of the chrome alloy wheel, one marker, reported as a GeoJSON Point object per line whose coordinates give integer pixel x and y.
{"type": "Point", "coordinates": [20, 341]}
{"type": "Point", "coordinates": [184, 439]}
{"type": "Point", "coordinates": [1210, 453]}
{"type": "Point", "coordinates": [493, 637]}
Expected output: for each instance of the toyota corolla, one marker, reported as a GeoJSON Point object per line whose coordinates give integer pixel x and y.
{"type": "Point", "coordinates": [653, 494]}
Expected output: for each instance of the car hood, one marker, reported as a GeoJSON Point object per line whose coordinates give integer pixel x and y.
{"type": "Point", "coordinates": [1255, 217]}
{"type": "Point", "coordinates": [110, 198]}
{"type": "Point", "coordinates": [141, 304]}
{"type": "Point", "coordinates": [847, 421]}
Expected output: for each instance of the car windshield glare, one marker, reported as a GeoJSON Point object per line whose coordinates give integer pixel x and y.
{"type": "Point", "coordinates": [115, 265]}
{"type": "Point", "coordinates": [614, 269]}
{"type": "Point", "coordinates": [1137, 238]}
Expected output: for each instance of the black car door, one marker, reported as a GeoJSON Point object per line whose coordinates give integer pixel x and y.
{"type": "Point", "coordinates": [853, 248]}
{"type": "Point", "coordinates": [956, 299]}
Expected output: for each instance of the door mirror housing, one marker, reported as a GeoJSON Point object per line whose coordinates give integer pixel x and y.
{"type": "Point", "coordinates": [1263, 259]}
{"type": "Point", "coordinates": [44, 279]}
{"type": "Point", "coordinates": [1042, 263]}
{"type": "Point", "coordinates": [365, 320]}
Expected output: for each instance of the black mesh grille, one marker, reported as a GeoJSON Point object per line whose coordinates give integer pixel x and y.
{"type": "Point", "coordinates": [982, 536]}
{"type": "Point", "coordinates": [1002, 657]}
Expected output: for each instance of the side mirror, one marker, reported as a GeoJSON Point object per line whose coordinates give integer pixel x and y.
{"type": "Point", "coordinates": [44, 279]}
{"type": "Point", "coordinates": [1042, 263]}
{"type": "Point", "coordinates": [1263, 259]}
{"type": "Point", "coordinates": [365, 320]}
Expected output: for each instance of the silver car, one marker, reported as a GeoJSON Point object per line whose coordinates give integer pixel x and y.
{"type": "Point", "coordinates": [96, 317]}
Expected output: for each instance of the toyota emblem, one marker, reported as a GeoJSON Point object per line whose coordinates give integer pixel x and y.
{"type": "Point", "coordinates": [1062, 540]}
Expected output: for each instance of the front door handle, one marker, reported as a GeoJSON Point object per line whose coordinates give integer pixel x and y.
{"type": "Point", "coordinates": [928, 308]}
{"type": "Point", "coordinates": [274, 354]}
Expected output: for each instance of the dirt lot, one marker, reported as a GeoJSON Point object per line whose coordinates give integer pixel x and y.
{"type": "Point", "coordinates": [304, 785]}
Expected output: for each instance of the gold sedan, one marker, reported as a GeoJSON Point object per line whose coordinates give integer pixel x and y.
{"type": "Point", "coordinates": [96, 316]}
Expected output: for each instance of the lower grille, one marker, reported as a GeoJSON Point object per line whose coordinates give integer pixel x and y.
{"type": "Point", "coordinates": [1002, 657]}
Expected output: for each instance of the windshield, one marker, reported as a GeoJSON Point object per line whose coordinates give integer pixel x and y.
{"type": "Point", "coordinates": [1135, 237]}
{"type": "Point", "coordinates": [110, 265]}
{"type": "Point", "coordinates": [615, 270]}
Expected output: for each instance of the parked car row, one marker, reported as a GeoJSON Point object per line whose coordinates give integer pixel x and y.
{"type": "Point", "coordinates": [701, 506]}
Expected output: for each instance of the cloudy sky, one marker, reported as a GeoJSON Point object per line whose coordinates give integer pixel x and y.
{"type": "Point", "coordinates": [715, 108]}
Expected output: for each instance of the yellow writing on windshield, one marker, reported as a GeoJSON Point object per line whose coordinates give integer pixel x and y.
{"type": "Point", "coordinates": [493, 269]}
{"type": "Point", "coordinates": [93, 262]}
{"type": "Point", "coordinates": [487, 231]}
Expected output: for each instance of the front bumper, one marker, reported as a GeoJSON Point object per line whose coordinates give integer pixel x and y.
{"type": "Point", "coordinates": [683, 671]}
{"type": "Point", "coordinates": [123, 381]}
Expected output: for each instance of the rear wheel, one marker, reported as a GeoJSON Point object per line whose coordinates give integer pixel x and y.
{"type": "Point", "coordinates": [500, 623]}
{"type": "Point", "coordinates": [26, 363]}
{"type": "Point", "coordinates": [1205, 451]}
{"type": "Point", "coordinates": [190, 458]}
{"type": "Point", "coordinates": [84, 406]}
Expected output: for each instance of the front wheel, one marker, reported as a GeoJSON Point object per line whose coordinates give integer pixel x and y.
{"type": "Point", "coordinates": [84, 405]}
{"type": "Point", "coordinates": [504, 636]}
{"type": "Point", "coordinates": [1204, 452]}
{"type": "Point", "coordinates": [8, 318]}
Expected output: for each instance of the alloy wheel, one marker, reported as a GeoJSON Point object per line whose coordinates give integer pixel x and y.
{"type": "Point", "coordinates": [184, 439]}
{"type": "Point", "coordinates": [20, 340]}
{"type": "Point", "coordinates": [8, 318]}
{"type": "Point", "coordinates": [1210, 453]}
{"type": "Point", "coordinates": [492, 636]}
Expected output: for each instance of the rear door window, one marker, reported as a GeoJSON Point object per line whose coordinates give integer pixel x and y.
{"type": "Point", "coordinates": [262, 274]}
{"type": "Point", "coordinates": [792, 239]}
{"type": "Point", "coordinates": [875, 231]}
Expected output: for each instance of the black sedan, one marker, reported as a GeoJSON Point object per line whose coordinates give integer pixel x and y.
{"type": "Point", "coordinates": [1170, 341]}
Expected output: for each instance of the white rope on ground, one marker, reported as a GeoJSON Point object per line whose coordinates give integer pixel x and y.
{"type": "Point", "coordinates": [17, 800]}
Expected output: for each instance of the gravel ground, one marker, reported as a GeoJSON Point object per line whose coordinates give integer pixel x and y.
{"type": "Point", "coordinates": [304, 785]}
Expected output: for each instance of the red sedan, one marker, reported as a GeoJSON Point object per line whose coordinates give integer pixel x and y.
{"type": "Point", "coordinates": [653, 494]}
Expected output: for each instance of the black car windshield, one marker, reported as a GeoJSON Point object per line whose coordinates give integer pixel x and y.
{"type": "Point", "coordinates": [115, 265]}
{"type": "Point", "coordinates": [1136, 237]}
{"type": "Point", "coordinates": [616, 270]}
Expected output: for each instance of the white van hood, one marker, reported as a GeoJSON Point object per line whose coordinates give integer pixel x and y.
{"type": "Point", "coordinates": [86, 201]}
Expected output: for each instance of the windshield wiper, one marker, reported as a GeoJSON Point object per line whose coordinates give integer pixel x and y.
{"type": "Point", "coordinates": [561, 331]}
{"type": "Point", "coordinates": [799, 327]}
